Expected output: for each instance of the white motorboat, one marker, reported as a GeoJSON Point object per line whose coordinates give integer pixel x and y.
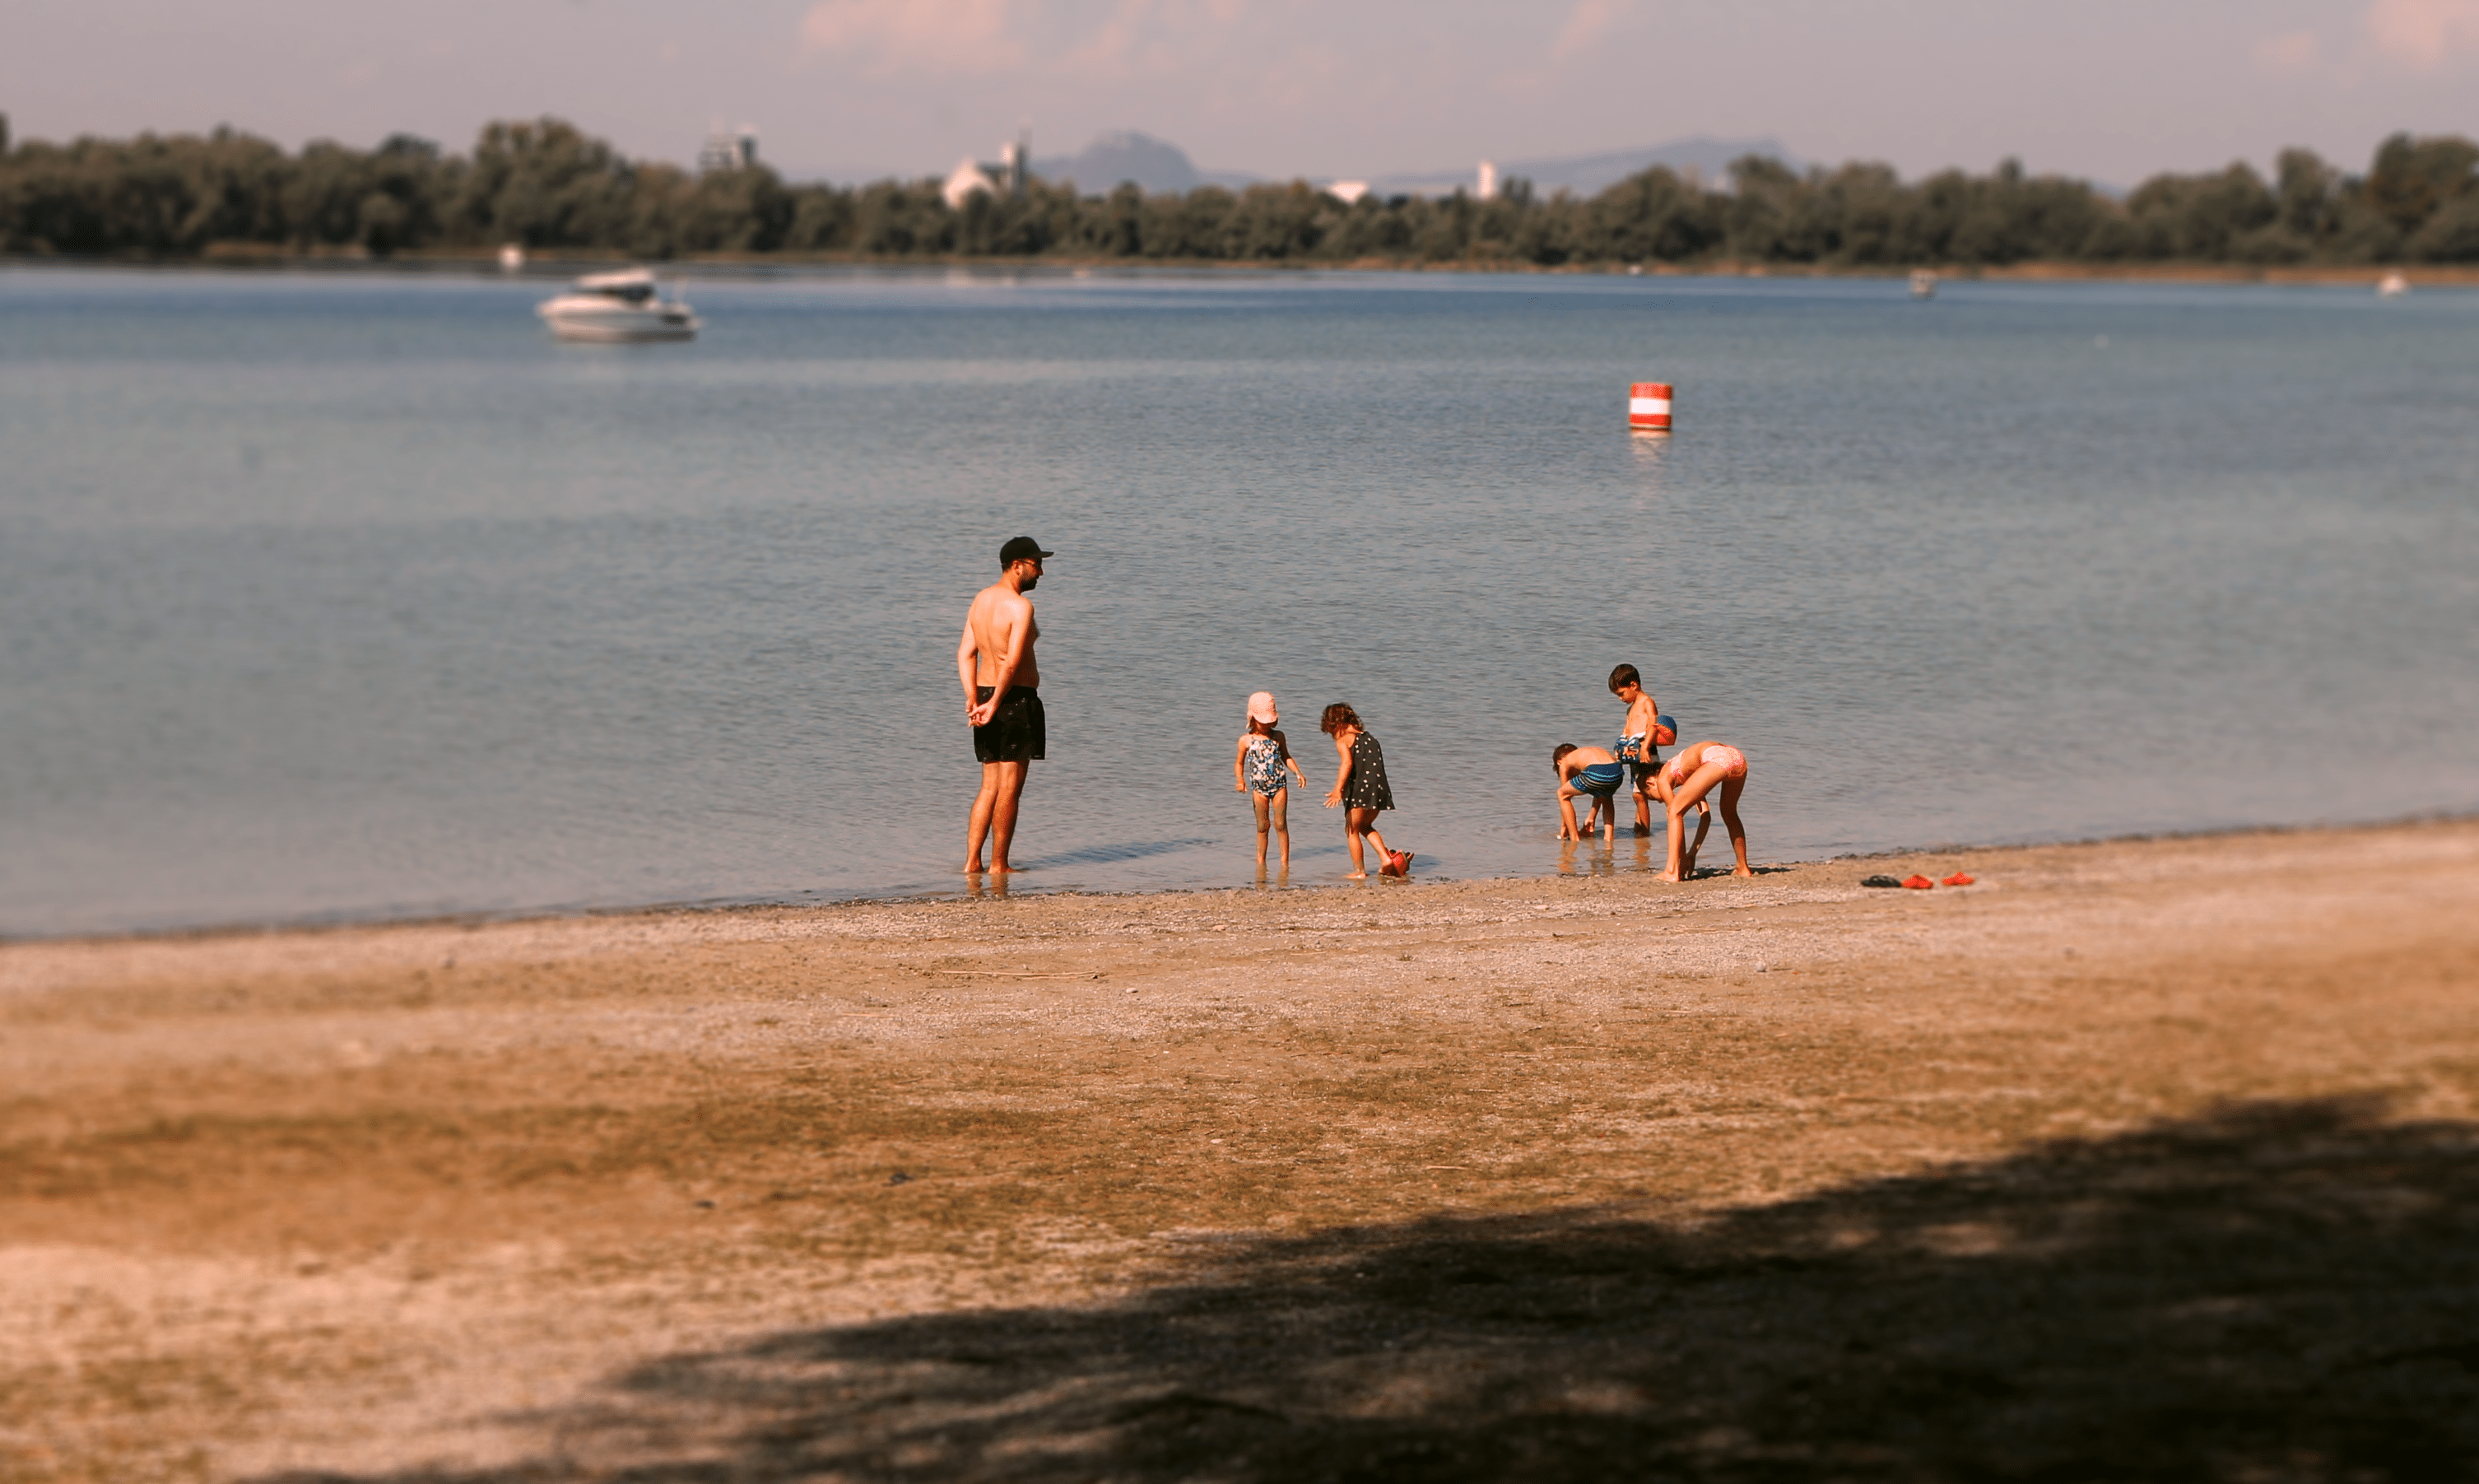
{"type": "Point", "coordinates": [1923, 284]}
{"type": "Point", "coordinates": [621, 306]}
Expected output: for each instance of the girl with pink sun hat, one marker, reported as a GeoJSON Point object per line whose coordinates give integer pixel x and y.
{"type": "Point", "coordinates": [1256, 771]}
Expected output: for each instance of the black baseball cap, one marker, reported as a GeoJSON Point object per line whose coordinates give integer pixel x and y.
{"type": "Point", "coordinates": [1021, 548]}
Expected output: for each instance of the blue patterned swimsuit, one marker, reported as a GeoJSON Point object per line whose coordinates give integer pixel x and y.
{"type": "Point", "coordinates": [1641, 757]}
{"type": "Point", "coordinates": [1264, 766]}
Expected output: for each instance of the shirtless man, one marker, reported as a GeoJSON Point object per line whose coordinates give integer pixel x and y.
{"type": "Point", "coordinates": [1001, 698]}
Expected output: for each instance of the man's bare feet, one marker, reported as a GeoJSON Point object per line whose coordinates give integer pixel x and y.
{"type": "Point", "coordinates": [1666, 877]}
{"type": "Point", "coordinates": [1743, 871]}
{"type": "Point", "coordinates": [972, 868]}
{"type": "Point", "coordinates": [1002, 868]}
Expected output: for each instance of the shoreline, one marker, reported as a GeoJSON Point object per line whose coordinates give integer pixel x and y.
{"type": "Point", "coordinates": [979, 890]}
{"type": "Point", "coordinates": [1582, 1170]}
{"type": "Point", "coordinates": [566, 263]}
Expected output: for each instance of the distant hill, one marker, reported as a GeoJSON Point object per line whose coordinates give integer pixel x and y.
{"type": "Point", "coordinates": [1125, 155]}
{"type": "Point", "coordinates": [1586, 174]}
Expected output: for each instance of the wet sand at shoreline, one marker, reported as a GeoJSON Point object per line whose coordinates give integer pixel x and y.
{"type": "Point", "coordinates": [2145, 1159]}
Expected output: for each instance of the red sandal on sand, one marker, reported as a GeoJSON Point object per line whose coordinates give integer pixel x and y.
{"type": "Point", "coordinates": [1957, 879]}
{"type": "Point", "coordinates": [1919, 883]}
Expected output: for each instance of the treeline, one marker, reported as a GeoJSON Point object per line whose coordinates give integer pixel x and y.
{"type": "Point", "coordinates": [545, 185]}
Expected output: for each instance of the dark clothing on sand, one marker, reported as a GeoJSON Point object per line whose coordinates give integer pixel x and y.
{"type": "Point", "coordinates": [1016, 730]}
{"type": "Point", "coordinates": [1366, 788]}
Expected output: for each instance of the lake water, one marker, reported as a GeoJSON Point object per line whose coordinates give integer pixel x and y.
{"type": "Point", "coordinates": [355, 596]}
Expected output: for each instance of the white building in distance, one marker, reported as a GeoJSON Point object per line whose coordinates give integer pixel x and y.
{"type": "Point", "coordinates": [1486, 189]}
{"type": "Point", "coordinates": [735, 151]}
{"type": "Point", "coordinates": [962, 181]}
{"type": "Point", "coordinates": [1016, 169]}
{"type": "Point", "coordinates": [1347, 192]}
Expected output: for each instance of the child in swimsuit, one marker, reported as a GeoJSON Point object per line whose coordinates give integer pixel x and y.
{"type": "Point", "coordinates": [1687, 778]}
{"type": "Point", "coordinates": [1641, 739]}
{"type": "Point", "coordinates": [1362, 789]}
{"type": "Point", "coordinates": [1256, 771]}
{"type": "Point", "coordinates": [1587, 773]}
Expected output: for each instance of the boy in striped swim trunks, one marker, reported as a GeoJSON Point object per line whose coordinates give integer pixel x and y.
{"type": "Point", "coordinates": [1587, 773]}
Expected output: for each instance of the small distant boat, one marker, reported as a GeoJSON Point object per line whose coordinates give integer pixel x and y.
{"type": "Point", "coordinates": [512, 257]}
{"type": "Point", "coordinates": [1923, 284]}
{"type": "Point", "coordinates": [2392, 286]}
{"type": "Point", "coordinates": [621, 306]}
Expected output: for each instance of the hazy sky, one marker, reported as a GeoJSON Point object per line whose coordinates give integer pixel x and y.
{"type": "Point", "coordinates": [2112, 90]}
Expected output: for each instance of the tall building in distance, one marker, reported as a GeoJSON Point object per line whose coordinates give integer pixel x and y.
{"type": "Point", "coordinates": [1486, 188]}
{"type": "Point", "coordinates": [1015, 162]}
{"type": "Point", "coordinates": [734, 149]}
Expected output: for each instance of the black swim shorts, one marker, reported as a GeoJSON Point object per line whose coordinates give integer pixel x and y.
{"type": "Point", "coordinates": [1016, 730]}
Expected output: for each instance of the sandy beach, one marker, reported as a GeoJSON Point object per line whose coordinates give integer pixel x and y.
{"type": "Point", "coordinates": [2137, 1160]}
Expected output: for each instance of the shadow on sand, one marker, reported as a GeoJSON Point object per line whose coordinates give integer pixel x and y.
{"type": "Point", "coordinates": [2283, 1292]}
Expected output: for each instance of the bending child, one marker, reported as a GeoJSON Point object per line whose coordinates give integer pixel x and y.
{"type": "Point", "coordinates": [1587, 773]}
{"type": "Point", "coordinates": [1257, 770]}
{"type": "Point", "coordinates": [1682, 784]}
{"type": "Point", "coordinates": [1359, 787]}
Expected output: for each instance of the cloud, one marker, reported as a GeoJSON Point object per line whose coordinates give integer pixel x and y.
{"type": "Point", "coordinates": [1587, 23]}
{"type": "Point", "coordinates": [2424, 35]}
{"type": "Point", "coordinates": [2289, 53]}
{"type": "Point", "coordinates": [919, 36]}
{"type": "Point", "coordinates": [1159, 37]}
{"type": "Point", "coordinates": [1584, 27]}
{"type": "Point", "coordinates": [1114, 42]}
{"type": "Point", "coordinates": [981, 38]}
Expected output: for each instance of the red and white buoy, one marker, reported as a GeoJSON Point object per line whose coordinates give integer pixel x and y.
{"type": "Point", "coordinates": [1648, 407]}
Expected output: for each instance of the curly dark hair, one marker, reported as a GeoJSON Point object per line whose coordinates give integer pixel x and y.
{"type": "Point", "coordinates": [1624, 675]}
{"type": "Point", "coordinates": [1337, 717]}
